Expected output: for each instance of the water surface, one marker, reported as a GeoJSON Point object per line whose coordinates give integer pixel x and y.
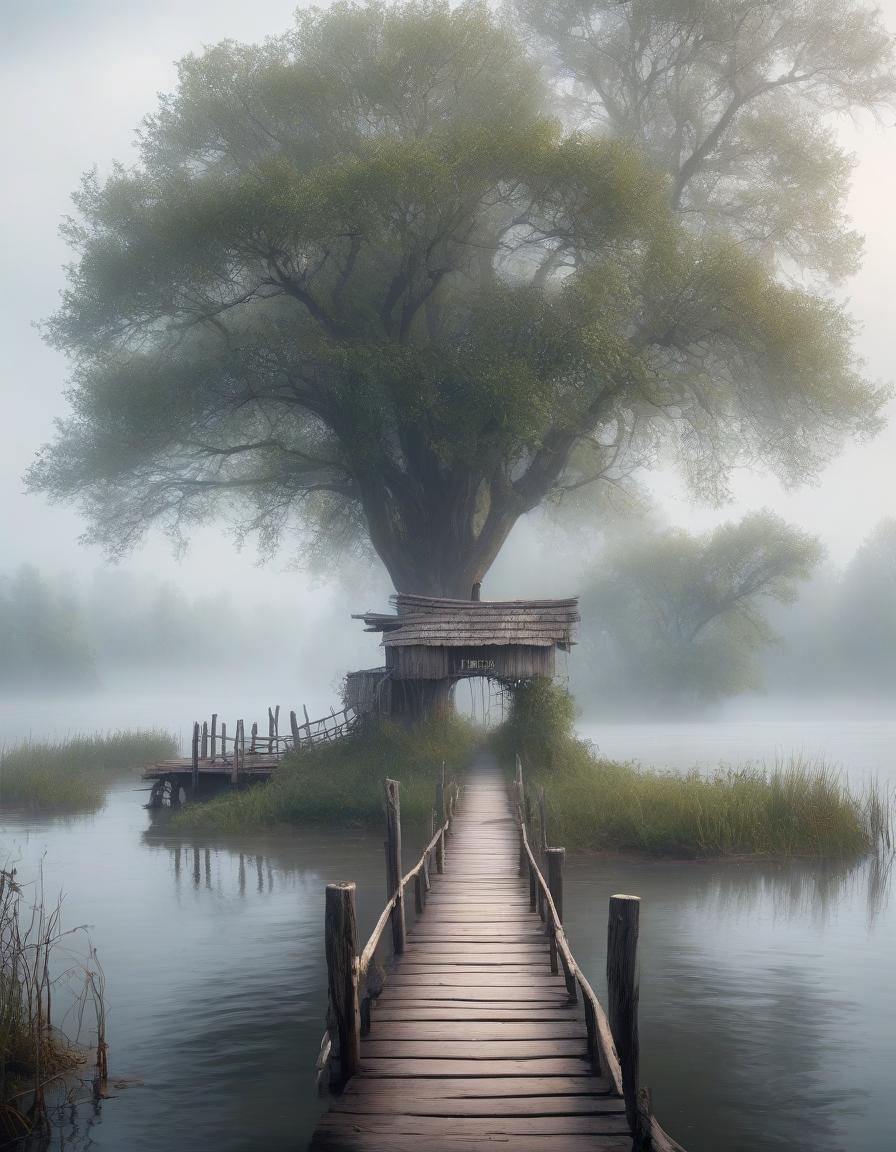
{"type": "Point", "coordinates": [768, 995]}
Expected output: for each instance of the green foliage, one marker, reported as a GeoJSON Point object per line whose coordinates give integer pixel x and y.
{"type": "Point", "coordinates": [736, 101]}
{"type": "Point", "coordinates": [341, 783]}
{"type": "Point", "coordinates": [682, 618]}
{"type": "Point", "coordinates": [74, 775]}
{"type": "Point", "coordinates": [363, 285]}
{"type": "Point", "coordinates": [797, 808]}
{"type": "Point", "coordinates": [540, 720]}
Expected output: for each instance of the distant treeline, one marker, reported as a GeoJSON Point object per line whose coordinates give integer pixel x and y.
{"type": "Point", "coordinates": [672, 621]}
{"type": "Point", "coordinates": [55, 633]}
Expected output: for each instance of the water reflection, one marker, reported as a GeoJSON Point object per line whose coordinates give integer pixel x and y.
{"type": "Point", "coordinates": [764, 990]}
{"type": "Point", "coordinates": [767, 994]}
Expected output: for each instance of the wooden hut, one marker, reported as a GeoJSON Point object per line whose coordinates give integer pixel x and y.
{"type": "Point", "coordinates": [431, 643]}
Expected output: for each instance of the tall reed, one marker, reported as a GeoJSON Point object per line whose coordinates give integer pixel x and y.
{"type": "Point", "coordinates": [74, 775]}
{"type": "Point", "coordinates": [34, 1052]}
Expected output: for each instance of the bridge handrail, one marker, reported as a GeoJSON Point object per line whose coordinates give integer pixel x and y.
{"type": "Point", "coordinates": [600, 1037]}
{"type": "Point", "coordinates": [601, 1044]}
{"type": "Point", "coordinates": [361, 964]}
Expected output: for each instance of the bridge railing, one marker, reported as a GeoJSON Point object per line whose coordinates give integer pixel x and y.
{"type": "Point", "coordinates": [613, 1044]}
{"type": "Point", "coordinates": [354, 979]}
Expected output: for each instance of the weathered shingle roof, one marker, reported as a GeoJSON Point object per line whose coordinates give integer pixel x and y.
{"type": "Point", "coordinates": [467, 623]}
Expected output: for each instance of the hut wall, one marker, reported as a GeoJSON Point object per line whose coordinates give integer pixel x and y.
{"type": "Point", "coordinates": [367, 690]}
{"type": "Point", "coordinates": [506, 662]}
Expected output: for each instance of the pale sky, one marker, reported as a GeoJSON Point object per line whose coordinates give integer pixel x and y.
{"type": "Point", "coordinates": [77, 77]}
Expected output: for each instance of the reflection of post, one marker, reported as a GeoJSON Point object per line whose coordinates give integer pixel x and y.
{"type": "Point", "coordinates": [242, 875]}
{"type": "Point", "coordinates": [177, 863]}
{"type": "Point", "coordinates": [341, 941]}
{"type": "Point", "coordinates": [208, 868]}
{"type": "Point", "coordinates": [195, 867]}
{"type": "Point", "coordinates": [622, 994]}
{"type": "Point", "coordinates": [259, 868]}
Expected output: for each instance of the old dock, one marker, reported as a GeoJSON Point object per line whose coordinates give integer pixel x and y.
{"type": "Point", "coordinates": [482, 1030]}
{"type": "Point", "coordinates": [217, 758]}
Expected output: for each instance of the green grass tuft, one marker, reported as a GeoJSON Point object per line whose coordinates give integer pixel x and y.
{"type": "Point", "coordinates": [74, 775]}
{"type": "Point", "coordinates": [798, 807]}
{"type": "Point", "coordinates": [341, 783]}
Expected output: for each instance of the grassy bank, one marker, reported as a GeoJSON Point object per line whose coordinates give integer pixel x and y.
{"type": "Point", "coordinates": [795, 808]}
{"type": "Point", "coordinates": [74, 775]}
{"type": "Point", "coordinates": [341, 783]}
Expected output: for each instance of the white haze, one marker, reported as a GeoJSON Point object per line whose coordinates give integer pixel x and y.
{"type": "Point", "coordinates": [77, 77]}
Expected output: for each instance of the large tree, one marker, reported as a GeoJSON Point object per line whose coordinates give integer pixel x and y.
{"type": "Point", "coordinates": [681, 617]}
{"type": "Point", "coordinates": [363, 284]}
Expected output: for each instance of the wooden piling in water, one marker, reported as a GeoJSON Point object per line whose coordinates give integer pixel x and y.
{"type": "Point", "coordinates": [623, 990]}
{"type": "Point", "coordinates": [341, 939]}
{"type": "Point", "coordinates": [393, 830]}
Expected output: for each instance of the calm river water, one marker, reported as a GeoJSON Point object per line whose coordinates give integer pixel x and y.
{"type": "Point", "coordinates": [768, 991]}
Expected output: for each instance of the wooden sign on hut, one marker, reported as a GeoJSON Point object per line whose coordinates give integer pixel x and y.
{"type": "Point", "coordinates": [432, 643]}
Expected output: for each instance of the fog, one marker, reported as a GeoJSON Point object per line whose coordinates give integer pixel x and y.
{"type": "Point", "coordinates": [76, 79]}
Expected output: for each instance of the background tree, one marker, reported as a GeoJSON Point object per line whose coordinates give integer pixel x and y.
{"type": "Point", "coordinates": [681, 617]}
{"type": "Point", "coordinates": [735, 100]}
{"type": "Point", "coordinates": [361, 284]}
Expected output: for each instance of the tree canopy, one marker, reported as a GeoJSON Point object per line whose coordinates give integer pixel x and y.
{"type": "Point", "coordinates": [682, 617]}
{"type": "Point", "coordinates": [363, 284]}
{"type": "Point", "coordinates": [735, 100]}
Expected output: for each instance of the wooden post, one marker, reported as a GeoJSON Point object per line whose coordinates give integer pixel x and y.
{"type": "Point", "coordinates": [294, 728]}
{"type": "Point", "coordinates": [623, 987]}
{"type": "Point", "coordinates": [440, 794]}
{"type": "Point", "coordinates": [440, 854]}
{"type": "Point", "coordinates": [524, 859]}
{"type": "Point", "coordinates": [519, 783]}
{"type": "Point", "coordinates": [214, 733]}
{"type": "Point", "coordinates": [204, 752]}
{"type": "Point", "coordinates": [253, 738]}
{"type": "Point", "coordinates": [307, 723]}
{"type": "Point", "coordinates": [341, 939]}
{"type": "Point", "coordinates": [277, 727]}
{"type": "Point", "coordinates": [270, 730]}
{"type": "Point", "coordinates": [555, 858]}
{"type": "Point", "coordinates": [533, 888]}
{"type": "Point", "coordinates": [195, 758]}
{"type": "Point", "coordinates": [543, 821]}
{"type": "Point", "coordinates": [393, 828]}
{"type": "Point", "coordinates": [223, 742]}
{"type": "Point", "coordinates": [419, 893]}
{"type": "Point", "coordinates": [237, 740]}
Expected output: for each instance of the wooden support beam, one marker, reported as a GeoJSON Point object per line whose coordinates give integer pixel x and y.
{"type": "Point", "coordinates": [195, 758]}
{"type": "Point", "coordinates": [341, 940]}
{"type": "Point", "coordinates": [623, 990]}
{"type": "Point", "coordinates": [392, 790]}
{"type": "Point", "coordinates": [555, 859]}
{"type": "Point", "coordinates": [238, 741]}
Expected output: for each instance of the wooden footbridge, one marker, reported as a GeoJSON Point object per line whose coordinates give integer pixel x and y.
{"type": "Point", "coordinates": [483, 1030]}
{"type": "Point", "coordinates": [217, 758]}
